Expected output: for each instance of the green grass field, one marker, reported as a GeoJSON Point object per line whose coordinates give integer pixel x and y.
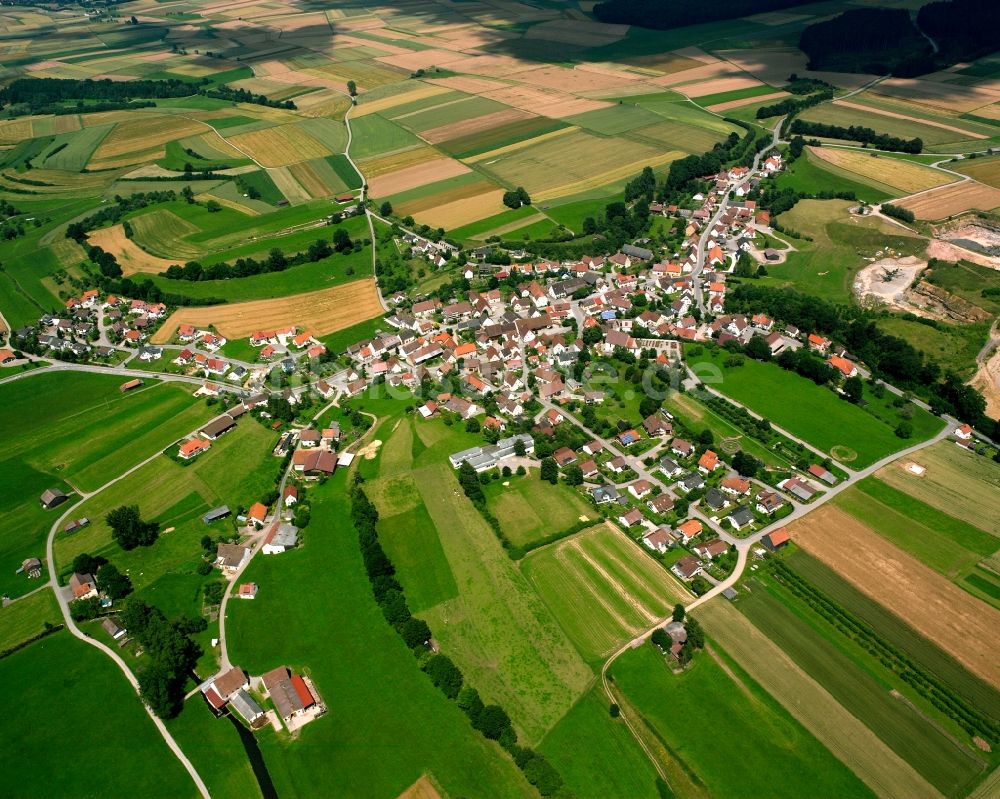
{"type": "Point", "coordinates": [601, 588]}
{"type": "Point", "coordinates": [27, 617]}
{"type": "Point", "coordinates": [376, 135]}
{"type": "Point", "coordinates": [479, 230]}
{"type": "Point", "coordinates": [967, 280]}
{"type": "Point", "coordinates": [730, 733]}
{"type": "Point", "coordinates": [76, 429]}
{"type": "Point", "coordinates": [810, 412]}
{"type": "Point", "coordinates": [857, 681]}
{"type": "Point", "coordinates": [59, 673]}
{"type": "Point", "coordinates": [954, 347]}
{"type": "Point", "coordinates": [735, 94]}
{"type": "Point", "coordinates": [498, 631]}
{"type": "Point", "coordinates": [617, 767]}
{"type": "Point", "coordinates": [529, 509]}
{"type": "Point", "coordinates": [214, 748]}
{"type": "Point", "coordinates": [371, 682]}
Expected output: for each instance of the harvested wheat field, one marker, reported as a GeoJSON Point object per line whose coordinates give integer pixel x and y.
{"type": "Point", "coordinates": [383, 165]}
{"type": "Point", "coordinates": [421, 789]}
{"type": "Point", "coordinates": [904, 176]}
{"type": "Point", "coordinates": [416, 175]}
{"type": "Point", "coordinates": [965, 196]}
{"type": "Point", "coordinates": [960, 624]}
{"type": "Point", "coordinates": [546, 102]}
{"type": "Point", "coordinates": [946, 96]}
{"type": "Point", "coordinates": [730, 83]}
{"type": "Point", "coordinates": [321, 312]}
{"type": "Point", "coordinates": [462, 212]}
{"type": "Point", "coordinates": [464, 83]}
{"type": "Point", "coordinates": [467, 127]}
{"type": "Point", "coordinates": [138, 139]}
{"type": "Point", "coordinates": [280, 146]}
{"type": "Point", "coordinates": [130, 255]}
{"type": "Point", "coordinates": [760, 98]}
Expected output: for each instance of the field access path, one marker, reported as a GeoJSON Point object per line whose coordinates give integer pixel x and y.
{"type": "Point", "coordinates": [743, 545]}
{"type": "Point", "coordinates": [62, 596]}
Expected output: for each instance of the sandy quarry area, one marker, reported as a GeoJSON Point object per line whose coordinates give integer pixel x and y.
{"type": "Point", "coordinates": [946, 251]}
{"type": "Point", "coordinates": [888, 279]}
{"type": "Point", "coordinates": [987, 382]}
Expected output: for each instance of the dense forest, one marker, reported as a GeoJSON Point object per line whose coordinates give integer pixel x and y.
{"type": "Point", "coordinates": [668, 14]}
{"type": "Point", "coordinates": [873, 40]}
{"type": "Point", "coordinates": [963, 29]}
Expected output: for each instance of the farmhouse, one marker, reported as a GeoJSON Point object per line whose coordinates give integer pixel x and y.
{"type": "Point", "coordinates": [112, 629]}
{"type": "Point", "coordinates": [289, 693]}
{"type": "Point", "coordinates": [215, 514]}
{"type": "Point", "coordinates": [247, 591]}
{"type": "Point", "coordinates": [280, 538]}
{"type": "Point", "coordinates": [192, 447]}
{"type": "Point", "coordinates": [231, 557]}
{"type": "Point", "coordinates": [83, 586]}
{"type": "Point", "coordinates": [257, 514]}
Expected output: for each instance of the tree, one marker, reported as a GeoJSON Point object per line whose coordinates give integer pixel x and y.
{"type": "Point", "coordinates": [414, 632]}
{"type": "Point", "coordinates": [128, 528]}
{"type": "Point", "coordinates": [678, 614]}
{"type": "Point", "coordinates": [614, 710]}
{"type": "Point", "coordinates": [84, 609]}
{"type": "Point", "coordinates": [212, 206]}
{"type": "Point", "coordinates": [188, 195]}
{"type": "Point", "coordinates": [519, 448]}
{"type": "Point", "coordinates": [469, 481]}
{"type": "Point", "coordinates": [550, 471]}
{"type": "Point", "coordinates": [342, 240]}
{"type": "Point", "coordinates": [695, 635]}
{"type": "Point", "coordinates": [661, 639]}
{"type": "Point", "coordinates": [472, 425]}
{"type": "Point", "coordinates": [648, 406]}
{"type": "Point", "coordinates": [444, 674]}
{"type": "Point", "coordinates": [521, 471]}
{"type": "Point", "coordinates": [352, 88]}
{"type": "Point", "coordinates": [706, 437]}
{"type": "Point", "coordinates": [492, 722]}
{"type": "Point", "coordinates": [746, 465]}
{"type": "Point", "coordinates": [385, 209]}
{"type": "Point", "coordinates": [511, 199]}
{"type": "Point", "coordinates": [574, 475]}
{"type": "Point", "coordinates": [757, 349]}
{"type": "Point", "coordinates": [469, 701]}
{"type": "Point", "coordinates": [112, 583]}
{"type": "Point", "coordinates": [87, 564]}
{"type": "Point", "coordinates": [854, 389]}
{"type": "Point", "coordinates": [904, 430]}
{"type": "Point", "coordinates": [522, 195]}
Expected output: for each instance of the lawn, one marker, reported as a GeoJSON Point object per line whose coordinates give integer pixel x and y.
{"type": "Point", "coordinates": [60, 673]}
{"type": "Point", "coordinates": [947, 545]}
{"type": "Point", "coordinates": [826, 266]}
{"type": "Point", "coordinates": [813, 413]}
{"type": "Point", "coordinates": [320, 600]}
{"type": "Point", "coordinates": [338, 342]}
{"type": "Point", "coordinates": [27, 617]}
{"type": "Point", "coordinates": [615, 767]}
{"type": "Point", "coordinates": [74, 428]}
{"type": "Point", "coordinates": [759, 749]}
{"type": "Point", "coordinates": [859, 683]}
{"type": "Point", "coordinates": [530, 510]}
{"type": "Point", "coordinates": [601, 588]}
